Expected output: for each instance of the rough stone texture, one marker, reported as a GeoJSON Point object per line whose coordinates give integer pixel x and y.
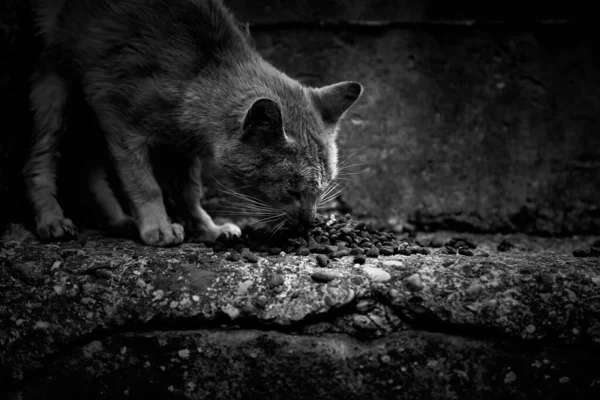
{"type": "Point", "coordinates": [106, 318]}
{"type": "Point", "coordinates": [209, 364]}
{"type": "Point", "coordinates": [481, 129]}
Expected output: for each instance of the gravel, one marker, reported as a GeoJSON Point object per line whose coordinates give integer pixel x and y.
{"type": "Point", "coordinates": [414, 283]}
{"type": "Point", "coordinates": [325, 275]}
{"type": "Point", "coordinates": [377, 274]}
{"type": "Point", "coordinates": [459, 242]}
{"type": "Point", "coordinates": [592, 251]}
{"type": "Point", "coordinates": [233, 256]}
{"type": "Point", "coordinates": [250, 257]}
{"type": "Point", "coordinates": [465, 252]}
{"type": "Point", "coordinates": [360, 259]}
{"type": "Point", "coordinates": [302, 251]}
{"type": "Point", "coordinates": [322, 260]}
{"type": "Point", "coordinates": [276, 280]}
{"type": "Point", "coordinates": [505, 245]}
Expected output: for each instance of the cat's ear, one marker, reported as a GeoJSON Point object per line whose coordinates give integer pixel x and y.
{"type": "Point", "coordinates": [263, 120]}
{"type": "Point", "coordinates": [334, 100]}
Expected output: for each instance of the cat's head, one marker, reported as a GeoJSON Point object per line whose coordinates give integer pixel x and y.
{"type": "Point", "coordinates": [285, 156]}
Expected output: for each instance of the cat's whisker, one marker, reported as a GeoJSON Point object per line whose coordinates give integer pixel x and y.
{"type": "Point", "coordinates": [239, 188]}
{"type": "Point", "coordinates": [351, 155]}
{"type": "Point", "coordinates": [276, 229]}
{"type": "Point", "coordinates": [347, 179]}
{"type": "Point", "coordinates": [253, 206]}
{"type": "Point", "coordinates": [325, 195]}
{"type": "Point", "coordinates": [330, 188]}
{"type": "Point", "coordinates": [332, 185]}
{"type": "Point", "coordinates": [248, 210]}
{"type": "Point", "coordinates": [351, 173]}
{"type": "Point", "coordinates": [274, 217]}
{"type": "Point", "coordinates": [324, 203]}
{"type": "Point", "coordinates": [333, 195]}
{"type": "Point", "coordinates": [239, 195]}
{"type": "Point", "coordinates": [242, 208]}
{"type": "Point", "coordinates": [326, 199]}
{"type": "Point", "coordinates": [244, 197]}
{"type": "Point", "coordinates": [246, 213]}
{"type": "Point", "coordinates": [269, 219]}
{"type": "Point", "coordinates": [246, 207]}
{"type": "Point", "coordinates": [351, 165]}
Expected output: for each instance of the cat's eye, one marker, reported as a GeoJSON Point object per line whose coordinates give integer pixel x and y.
{"type": "Point", "coordinates": [294, 194]}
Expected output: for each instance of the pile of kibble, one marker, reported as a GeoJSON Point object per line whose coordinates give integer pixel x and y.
{"type": "Point", "coordinates": [592, 251]}
{"type": "Point", "coordinates": [331, 238]}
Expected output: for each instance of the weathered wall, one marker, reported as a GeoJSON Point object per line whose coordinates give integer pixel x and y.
{"type": "Point", "coordinates": [484, 127]}
{"type": "Point", "coordinates": [465, 126]}
{"type": "Point", "coordinates": [490, 129]}
{"type": "Point", "coordinates": [273, 12]}
{"type": "Point", "coordinates": [15, 51]}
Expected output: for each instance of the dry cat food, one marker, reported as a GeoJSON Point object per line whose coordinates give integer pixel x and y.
{"type": "Point", "coordinates": [505, 245]}
{"type": "Point", "coordinates": [329, 238]}
{"type": "Point", "coordinates": [592, 251]}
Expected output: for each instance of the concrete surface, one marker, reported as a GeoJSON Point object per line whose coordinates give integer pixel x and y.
{"type": "Point", "coordinates": [104, 318]}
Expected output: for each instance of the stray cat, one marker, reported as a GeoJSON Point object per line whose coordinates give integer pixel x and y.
{"type": "Point", "coordinates": [177, 77]}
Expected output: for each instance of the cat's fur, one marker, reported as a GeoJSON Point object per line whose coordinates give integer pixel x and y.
{"type": "Point", "coordinates": [178, 77]}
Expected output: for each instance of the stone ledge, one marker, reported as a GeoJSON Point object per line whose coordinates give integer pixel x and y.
{"type": "Point", "coordinates": [219, 364]}
{"type": "Point", "coordinates": [60, 297]}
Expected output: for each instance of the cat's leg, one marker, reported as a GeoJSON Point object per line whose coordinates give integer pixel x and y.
{"type": "Point", "coordinates": [129, 152]}
{"type": "Point", "coordinates": [119, 223]}
{"type": "Point", "coordinates": [202, 222]}
{"type": "Point", "coordinates": [48, 98]}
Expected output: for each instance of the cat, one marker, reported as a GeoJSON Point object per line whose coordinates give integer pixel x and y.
{"type": "Point", "coordinates": [177, 78]}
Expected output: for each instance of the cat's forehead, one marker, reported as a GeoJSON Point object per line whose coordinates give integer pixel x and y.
{"type": "Point", "coordinates": [314, 142]}
{"type": "Point", "coordinates": [317, 161]}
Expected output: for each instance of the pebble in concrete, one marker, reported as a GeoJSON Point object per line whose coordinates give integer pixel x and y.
{"type": "Point", "coordinates": [392, 263]}
{"type": "Point", "coordinates": [325, 275]}
{"type": "Point", "coordinates": [377, 274]}
{"type": "Point", "coordinates": [414, 283]}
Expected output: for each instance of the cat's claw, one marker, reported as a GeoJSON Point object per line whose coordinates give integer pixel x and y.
{"type": "Point", "coordinates": [56, 228]}
{"type": "Point", "coordinates": [228, 229]}
{"type": "Point", "coordinates": [162, 235]}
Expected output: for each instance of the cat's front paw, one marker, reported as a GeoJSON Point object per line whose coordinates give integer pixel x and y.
{"type": "Point", "coordinates": [162, 235]}
{"type": "Point", "coordinates": [53, 227]}
{"type": "Point", "coordinates": [228, 229]}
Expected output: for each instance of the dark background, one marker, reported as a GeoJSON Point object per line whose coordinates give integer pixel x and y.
{"type": "Point", "coordinates": [476, 116]}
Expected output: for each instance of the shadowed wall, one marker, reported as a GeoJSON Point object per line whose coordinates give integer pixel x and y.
{"type": "Point", "coordinates": [463, 125]}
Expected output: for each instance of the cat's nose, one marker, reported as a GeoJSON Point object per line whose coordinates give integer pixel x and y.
{"type": "Point", "coordinates": [306, 217]}
{"type": "Point", "coordinates": [293, 197]}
